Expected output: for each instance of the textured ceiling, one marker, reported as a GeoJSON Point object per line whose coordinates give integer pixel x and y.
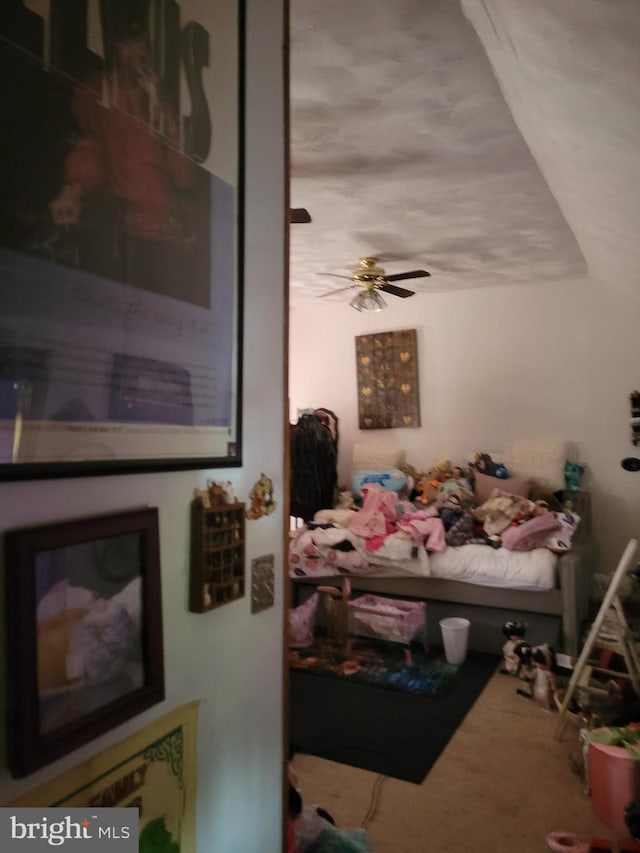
{"type": "Point", "coordinates": [463, 140]}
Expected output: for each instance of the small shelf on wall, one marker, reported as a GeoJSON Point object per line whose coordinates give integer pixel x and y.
{"type": "Point", "coordinates": [634, 402]}
{"type": "Point", "coordinates": [217, 570]}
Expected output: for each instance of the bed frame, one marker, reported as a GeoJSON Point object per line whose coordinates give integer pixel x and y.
{"type": "Point", "coordinates": [555, 616]}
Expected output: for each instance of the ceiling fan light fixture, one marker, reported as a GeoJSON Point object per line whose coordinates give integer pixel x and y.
{"type": "Point", "coordinates": [356, 302]}
{"type": "Point", "coordinates": [378, 301]}
{"type": "Point", "coordinates": [368, 300]}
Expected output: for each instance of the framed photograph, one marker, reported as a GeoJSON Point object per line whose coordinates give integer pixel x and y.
{"type": "Point", "coordinates": [83, 616]}
{"type": "Point", "coordinates": [153, 770]}
{"type": "Point", "coordinates": [121, 244]}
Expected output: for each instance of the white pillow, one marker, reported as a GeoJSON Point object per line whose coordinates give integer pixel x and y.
{"type": "Point", "coordinates": [377, 457]}
{"type": "Point", "coordinates": [542, 460]}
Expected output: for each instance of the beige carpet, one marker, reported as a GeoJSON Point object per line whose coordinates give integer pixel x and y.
{"type": "Point", "coordinates": [502, 784]}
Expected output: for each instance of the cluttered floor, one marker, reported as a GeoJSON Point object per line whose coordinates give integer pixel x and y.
{"type": "Point", "coordinates": [505, 782]}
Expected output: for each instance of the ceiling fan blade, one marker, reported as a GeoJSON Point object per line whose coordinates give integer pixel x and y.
{"type": "Point", "coordinates": [299, 215]}
{"type": "Point", "coordinates": [396, 291]}
{"type": "Point", "coordinates": [335, 275]}
{"type": "Point", "coordinates": [339, 290]}
{"type": "Point", "coordinates": [412, 274]}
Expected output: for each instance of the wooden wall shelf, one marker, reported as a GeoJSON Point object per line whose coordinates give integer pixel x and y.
{"type": "Point", "coordinates": [217, 571]}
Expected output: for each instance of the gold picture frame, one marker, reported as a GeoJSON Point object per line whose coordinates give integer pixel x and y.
{"type": "Point", "coordinates": [153, 770]}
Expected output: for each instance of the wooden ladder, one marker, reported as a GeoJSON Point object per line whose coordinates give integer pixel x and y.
{"type": "Point", "coordinates": [609, 631]}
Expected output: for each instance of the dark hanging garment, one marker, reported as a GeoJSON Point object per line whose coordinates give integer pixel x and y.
{"type": "Point", "coordinates": [329, 420]}
{"type": "Point", "coordinates": [314, 466]}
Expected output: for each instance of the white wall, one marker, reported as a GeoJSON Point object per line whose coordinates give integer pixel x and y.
{"type": "Point", "coordinates": [547, 360]}
{"type": "Point", "coordinates": [229, 659]}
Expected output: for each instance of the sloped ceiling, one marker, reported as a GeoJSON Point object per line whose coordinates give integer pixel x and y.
{"type": "Point", "coordinates": [489, 142]}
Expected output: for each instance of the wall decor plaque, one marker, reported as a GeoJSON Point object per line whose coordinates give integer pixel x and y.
{"type": "Point", "coordinates": [262, 582]}
{"type": "Point", "coordinates": [388, 384]}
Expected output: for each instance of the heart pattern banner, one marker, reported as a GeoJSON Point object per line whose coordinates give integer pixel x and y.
{"type": "Point", "coordinates": [387, 374]}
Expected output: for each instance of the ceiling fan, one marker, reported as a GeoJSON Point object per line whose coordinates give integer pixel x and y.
{"type": "Point", "coordinates": [371, 279]}
{"type": "Point", "coordinates": [299, 215]}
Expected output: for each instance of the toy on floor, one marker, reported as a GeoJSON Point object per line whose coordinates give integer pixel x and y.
{"type": "Point", "coordinates": [306, 823]}
{"type": "Point", "coordinates": [542, 683]}
{"type": "Point", "coordinates": [567, 842]}
{"type": "Point", "coordinates": [513, 660]}
{"type": "Point", "coordinates": [311, 829]}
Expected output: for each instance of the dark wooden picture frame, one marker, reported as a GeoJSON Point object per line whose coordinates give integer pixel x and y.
{"type": "Point", "coordinates": [122, 245]}
{"type": "Point", "coordinates": [83, 617]}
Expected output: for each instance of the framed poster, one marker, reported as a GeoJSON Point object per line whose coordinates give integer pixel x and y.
{"type": "Point", "coordinates": [83, 622]}
{"type": "Point", "coordinates": [388, 384]}
{"type": "Point", "coordinates": [121, 237]}
{"type": "Point", "coordinates": [153, 770]}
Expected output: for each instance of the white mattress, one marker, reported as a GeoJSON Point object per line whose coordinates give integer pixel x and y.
{"type": "Point", "coordinates": [481, 564]}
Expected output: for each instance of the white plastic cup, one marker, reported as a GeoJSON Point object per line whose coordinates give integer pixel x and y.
{"type": "Point", "coordinates": [455, 637]}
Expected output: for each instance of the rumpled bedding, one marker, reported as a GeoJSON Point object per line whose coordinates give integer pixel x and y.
{"type": "Point", "coordinates": [314, 553]}
{"type": "Point", "coordinates": [391, 538]}
{"type": "Point", "coordinates": [336, 550]}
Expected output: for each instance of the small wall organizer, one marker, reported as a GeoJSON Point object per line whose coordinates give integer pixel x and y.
{"type": "Point", "coordinates": [217, 571]}
{"type": "Point", "coordinates": [634, 401]}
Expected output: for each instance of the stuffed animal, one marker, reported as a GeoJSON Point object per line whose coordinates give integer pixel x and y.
{"type": "Point", "coordinates": [514, 632]}
{"type": "Point", "coordinates": [345, 499]}
{"type": "Point", "coordinates": [217, 493]}
{"type": "Point", "coordinates": [413, 478]}
{"type": "Point", "coordinates": [573, 472]}
{"type": "Point", "coordinates": [523, 650]}
{"type": "Point", "coordinates": [458, 487]}
{"type": "Point", "coordinates": [485, 464]}
{"type": "Point", "coordinates": [221, 492]}
{"type": "Point", "coordinates": [442, 470]}
{"type": "Point", "coordinates": [440, 481]}
{"type": "Point", "coordinates": [458, 473]}
{"type": "Point", "coordinates": [542, 682]}
{"type": "Point", "coordinates": [391, 480]}
{"type": "Point", "coordinates": [261, 496]}
{"type": "Point", "coordinates": [427, 490]}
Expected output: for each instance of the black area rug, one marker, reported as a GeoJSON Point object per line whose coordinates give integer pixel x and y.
{"type": "Point", "coordinates": [386, 731]}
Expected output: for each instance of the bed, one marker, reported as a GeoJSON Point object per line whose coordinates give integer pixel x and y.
{"type": "Point", "coordinates": [549, 591]}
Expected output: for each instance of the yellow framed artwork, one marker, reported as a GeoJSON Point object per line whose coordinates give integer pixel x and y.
{"type": "Point", "coordinates": [153, 770]}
